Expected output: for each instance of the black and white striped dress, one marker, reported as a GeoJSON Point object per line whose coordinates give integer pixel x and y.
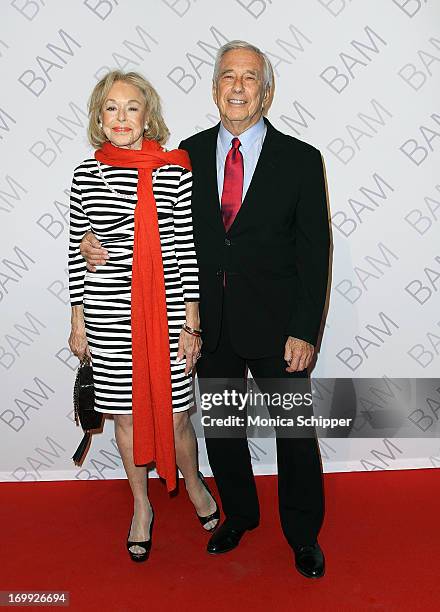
{"type": "Point", "coordinates": [106, 293]}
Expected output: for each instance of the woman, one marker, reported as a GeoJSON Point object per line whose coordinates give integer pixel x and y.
{"type": "Point", "coordinates": [137, 316]}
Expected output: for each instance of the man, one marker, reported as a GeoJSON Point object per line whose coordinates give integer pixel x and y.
{"type": "Point", "coordinates": [262, 241]}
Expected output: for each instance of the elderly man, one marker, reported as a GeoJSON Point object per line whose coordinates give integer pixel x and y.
{"type": "Point", "coordinates": [262, 240]}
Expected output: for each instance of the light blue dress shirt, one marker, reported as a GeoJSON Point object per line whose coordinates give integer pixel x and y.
{"type": "Point", "coordinates": [251, 144]}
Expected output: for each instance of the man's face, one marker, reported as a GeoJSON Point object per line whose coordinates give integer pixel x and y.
{"type": "Point", "coordinates": [239, 92]}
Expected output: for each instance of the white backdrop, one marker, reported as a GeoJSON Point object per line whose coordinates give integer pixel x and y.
{"type": "Point", "coordinates": [358, 79]}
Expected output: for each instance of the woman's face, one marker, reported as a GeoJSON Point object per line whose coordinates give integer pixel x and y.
{"type": "Point", "coordinates": [124, 116]}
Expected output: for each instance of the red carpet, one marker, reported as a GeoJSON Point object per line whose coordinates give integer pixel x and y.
{"type": "Point", "coordinates": [381, 537]}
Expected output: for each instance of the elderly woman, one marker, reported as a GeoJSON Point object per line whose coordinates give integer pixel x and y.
{"type": "Point", "coordinates": [137, 315]}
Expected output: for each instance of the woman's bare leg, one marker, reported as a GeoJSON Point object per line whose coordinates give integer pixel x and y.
{"type": "Point", "coordinates": [137, 477]}
{"type": "Point", "coordinates": [186, 457]}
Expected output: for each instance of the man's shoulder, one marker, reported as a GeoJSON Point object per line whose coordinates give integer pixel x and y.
{"type": "Point", "coordinates": [200, 138]}
{"type": "Point", "coordinates": [294, 144]}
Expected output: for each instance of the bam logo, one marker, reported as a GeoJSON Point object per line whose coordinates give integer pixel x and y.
{"type": "Point", "coordinates": [35, 82]}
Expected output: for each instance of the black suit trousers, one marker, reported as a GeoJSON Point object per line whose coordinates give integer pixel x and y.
{"type": "Point", "coordinates": [300, 485]}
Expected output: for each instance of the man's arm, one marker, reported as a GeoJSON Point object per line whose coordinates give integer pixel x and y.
{"type": "Point", "coordinates": [312, 260]}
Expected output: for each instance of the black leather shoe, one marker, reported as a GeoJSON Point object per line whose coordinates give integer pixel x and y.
{"type": "Point", "coordinates": [225, 539]}
{"type": "Point", "coordinates": [309, 560]}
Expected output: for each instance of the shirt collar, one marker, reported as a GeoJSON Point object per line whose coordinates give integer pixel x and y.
{"type": "Point", "coordinates": [247, 138]}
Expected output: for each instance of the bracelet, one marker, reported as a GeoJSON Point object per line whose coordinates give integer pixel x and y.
{"type": "Point", "coordinates": [191, 330]}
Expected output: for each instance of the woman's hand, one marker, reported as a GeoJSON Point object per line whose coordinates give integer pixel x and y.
{"type": "Point", "coordinates": [78, 342]}
{"type": "Point", "coordinates": [78, 339]}
{"type": "Point", "coordinates": [189, 347]}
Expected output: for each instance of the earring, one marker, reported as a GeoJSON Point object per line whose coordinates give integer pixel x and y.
{"type": "Point", "coordinates": [100, 123]}
{"type": "Point", "coordinates": [146, 126]}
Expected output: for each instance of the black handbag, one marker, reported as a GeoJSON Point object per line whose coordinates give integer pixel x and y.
{"type": "Point", "coordinates": [84, 407]}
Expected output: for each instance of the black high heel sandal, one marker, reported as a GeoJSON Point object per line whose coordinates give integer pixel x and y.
{"type": "Point", "coordinates": [215, 516]}
{"type": "Point", "coordinates": [143, 556]}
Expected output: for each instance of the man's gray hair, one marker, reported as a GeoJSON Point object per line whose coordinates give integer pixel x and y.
{"type": "Point", "coordinates": [242, 44]}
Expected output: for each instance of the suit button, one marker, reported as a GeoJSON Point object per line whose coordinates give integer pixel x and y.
{"type": "Point", "coordinates": [219, 272]}
{"type": "Point", "coordinates": [228, 242]}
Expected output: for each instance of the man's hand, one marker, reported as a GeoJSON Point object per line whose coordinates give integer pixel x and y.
{"type": "Point", "coordinates": [298, 354]}
{"type": "Point", "coordinates": [93, 252]}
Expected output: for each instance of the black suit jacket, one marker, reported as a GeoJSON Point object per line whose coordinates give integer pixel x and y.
{"type": "Point", "coordinates": [276, 252]}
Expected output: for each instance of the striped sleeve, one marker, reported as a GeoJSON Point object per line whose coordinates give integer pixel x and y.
{"type": "Point", "coordinates": [184, 240]}
{"type": "Point", "coordinates": [79, 225]}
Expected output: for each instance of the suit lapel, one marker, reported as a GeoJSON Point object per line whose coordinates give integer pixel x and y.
{"type": "Point", "coordinates": [262, 176]}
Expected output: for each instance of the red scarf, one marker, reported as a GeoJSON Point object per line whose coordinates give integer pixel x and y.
{"type": "Point", "coordinates": [153, 434]}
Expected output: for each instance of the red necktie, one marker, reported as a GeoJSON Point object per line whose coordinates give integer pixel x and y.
{"type": "Point", "coordinates": [232, 184]}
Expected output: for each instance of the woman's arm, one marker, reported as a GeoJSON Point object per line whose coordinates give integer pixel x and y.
{"type": "Point", "coordinates": [77, 339]}
{"type": "Point", "coordinates": [192, 314]}
{"type": "Point", "coordinates": [79, 224]}
{"type": "Point", "coordinates": [189, 345]}
{"type": "Point", "coordinates": [184, 240]}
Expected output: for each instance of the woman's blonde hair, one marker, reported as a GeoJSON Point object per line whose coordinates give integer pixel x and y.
{"type": "Point", "coordinates": [156, 129]}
